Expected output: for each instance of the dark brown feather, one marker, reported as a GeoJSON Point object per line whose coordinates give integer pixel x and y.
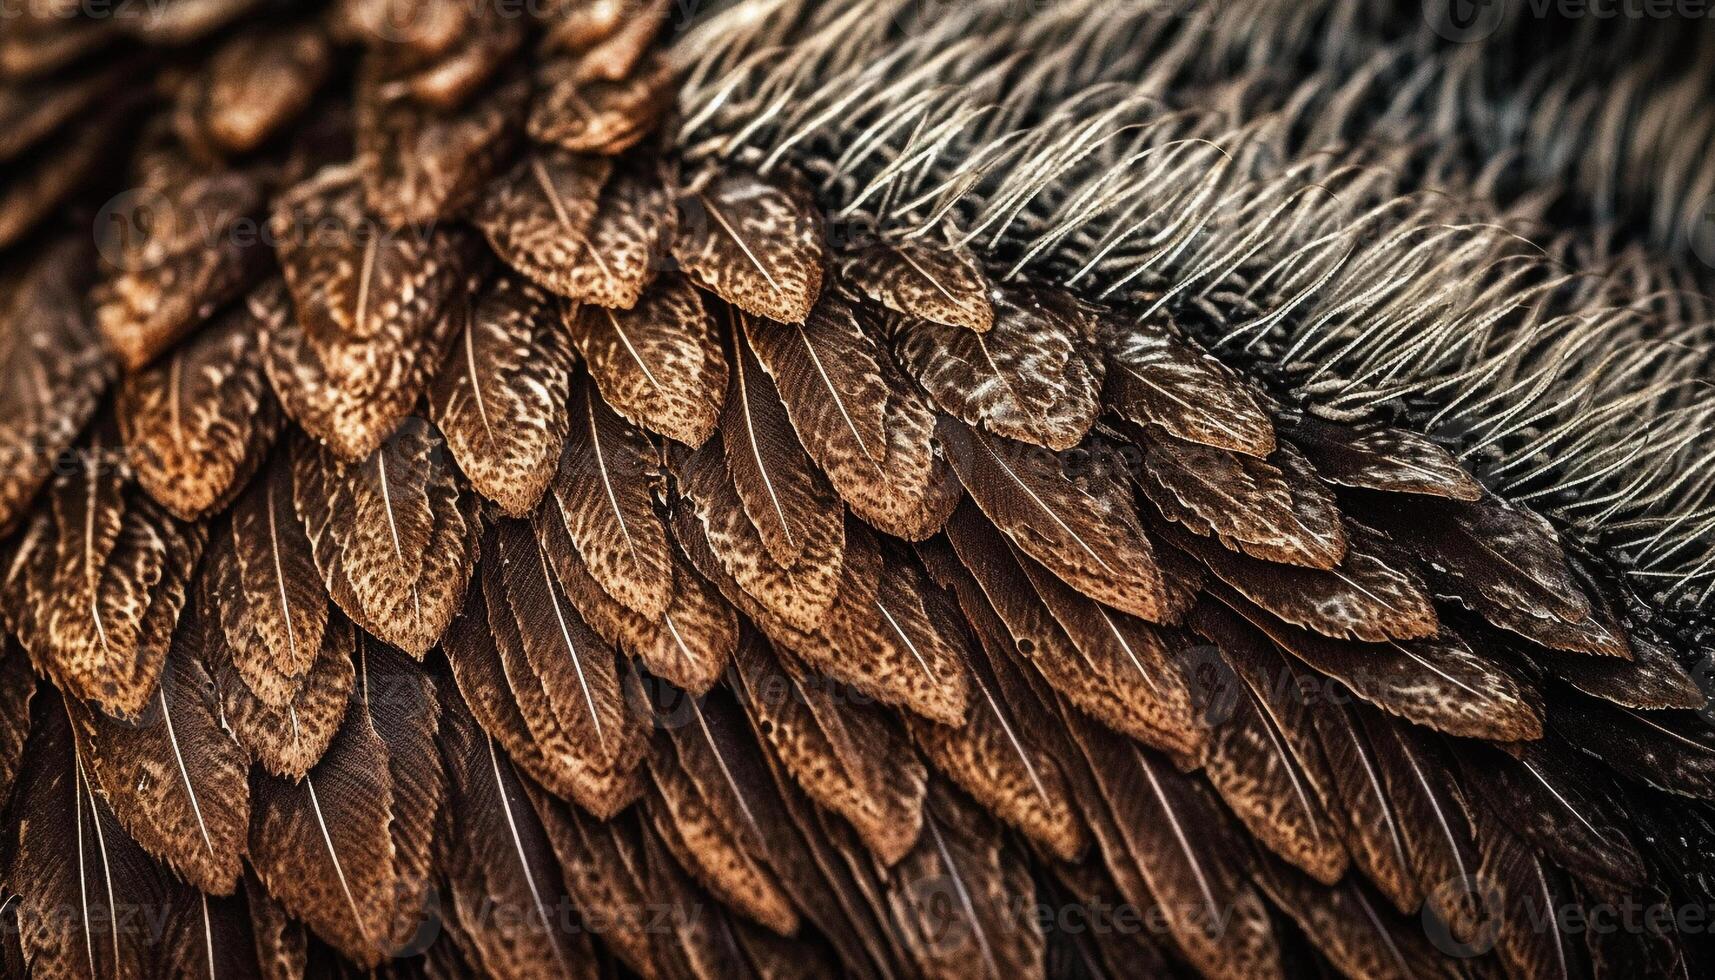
{"type": "Point", "coordinates": [1360, 936]}
{"type": "Point", "coordinates": [253, 84]}
{"type": "Point", "coordinates": [1029, 378]}
{"type": "Point", "coordinates": [199, 423]}
{"type": "Point", "coordinates": [500, 397]}
{"type": "Point", "coordinates": [289, 738]}
{"type": "Point", "coordinates": [1381, 458]}
{"type": "Point", "coordinates": [1665, 749]}
{"type": "Point", "coordinates": [393, 535]}
{"type": "Point", "coordinates": [17, 691]}
{"type": "Point", "coordinates": [538, 215]}
{"type": "Point", "coordinates": [595, 115]}
{"type": "Point", "coordinates": [175, 778]}
{"type": "Point", "coordinates": [754, 241]}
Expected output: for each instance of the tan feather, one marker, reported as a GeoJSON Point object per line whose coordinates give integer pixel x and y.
{"type": "Point", "coordinates": [199, 423]}
{"type": "Point", "coordinates": [393, 536]}
{"type": "Point", "coordinates": [944, 286]}
{"type": "Point", "coordinates": [592, 115]}
{"type": "Point", "coordinates": [290, 738]}
{"type": "Point", "coordinates": [660, 363]}
{"type": "Point", "coordinates": [1029, 378]}
{"type": "Point", "coordinates": [755, 242]}
{"type": "Point", "coordinates": [500, 397]}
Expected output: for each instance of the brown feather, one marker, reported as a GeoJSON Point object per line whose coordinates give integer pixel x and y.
{"type": "Point", "coordinates": [863, 422]}
{"type": "Point", "coordinates": [1381, 458]}
{"type": "Point", "coordinates": [53, 369]}
{"type": "Point", "coordinates": [501, 872]}
{"type": "Point", "coordinates": [538, 215]}
{"type": "Point", "coordinates": [1027, 379]}
{"type": "Point", "coordinates": [1358, 935]}
{"type": "Point", "coordinates": [392, 535]}
{"type": "Point", "coordinates": [594, 115]}
{"type": "Point", "coordinates": [690, 644]}
{"type": "Point", "coordinates": [941, 285]}
{"type": "Point", "coordinates": [423, 164]}
{"type": "Point", "coordinates": [603, 495]}
{"type": "Point", "coordinates": [289, 738]}
{"type": "Point", "coordinates": [199, 423]}
{"type": "Point", "coordinates": [375, 312]}
{"type": "Point", "coordinates": [1085, 531]}
{"type": "Point", "coordinates": [755, 242]}
{"type": "Point", "coordinates": [97, 582]}
{"type": "Point", "coordinates": [272, 608]}
{"type": "Point", "coordinates": [17, 691]}
{"type": "Point", "coordinates": [568, 684]}
{"type": "Point", "coordinates": [1155, 377]}
{"type": "Point", "coordinates": [500, 398]}
{"type": "Point", "coordinates": [175, 778]}
{"type": "Point", "coordinates": [191, 259]}
{"type": "Point", "coordinates": [280, 940]}
{"type": "Point", "coordinates": [625, 245]}
{"type": "Point", "coordinates": [847, 756]}
{"type": "Point", "coordinates": [660, 363]}
{"type": "Point", "coordinates": [1665, 749]}
{"type": "Point", "coordinates": [253, 84]}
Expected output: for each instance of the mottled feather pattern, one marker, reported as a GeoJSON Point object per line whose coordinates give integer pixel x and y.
{"type": "Point", "coordinates": [546, 550]}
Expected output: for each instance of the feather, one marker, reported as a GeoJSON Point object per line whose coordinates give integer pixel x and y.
{"type": "Point", "coordinates": [1664, 749]}
{"type": "Point", "coordinates": [1523, 896]}
{"type": "Point", "coordinates": [1100, 676]}
{"type": "Point", "coordinates": [1381, 458]}
{"type": "Point", "coordinates": [716, 523]}
{"type": "Point", "coordinates": [375, 311]}
{"type": "Point", "coordinates": [1436, 681]}
{"type": "Point", "coordinates": [272, 608]}
{"type": "Point", "coordinates": [1551, 799]}
{"type": "Point", "coordinates": [420, 164]}
{"type": "Point", "coordinates": [658, 364]}
{"type": "Point", "coordinates": [847, 756]}
{"type": "Point", "coordinates": [538, 215]}
{"type": "Point", "coordinates": [1273, 509]}
{"type": "Point", "coordinates": [593, 115]}
{"type": "Point", "coordinates": [53, 369]}
{"type": "Point", "coordinates": [868, 428]}
{"type": "Point", "coordinates": [783, 495]}
{"type": "Point", "coordinates": [626, 243]}
{"type": "Point", "coordinates": [174, 778]}
{"type": "Point", "coordinates": [1652, 680]}
{"type": "Point", "coordinates": [344, 849]}
{"type": "Point", "coordinates": [199, 423]}
{"type": "Point", "coordinates": [289, 738]}
{"type": "Point", "coordinates": [191, 259]}
{"type": "Point", "coordinates": [393, 535]}
{"type": "Point", "coordinates": [501, 872]}
{"type": "Point", "coordinates": [998, 755]}
{"type": "Point", "coordinates": [17, 690]}
{"type": "Point", "coordinates": [91, 902]}
{"type": "Point", "coordinates": [964, 897]}
{"type": "Point", "coordinates": [500, 398]}
{"type": "Point", "coordinates": [690, 644]}
{"type": "Point", "coordinates": [1084, 531]}
{"type": "Point", "coordinates": [1373, 594]}
{"type": "Point", "coordinates": [281, 943]}
{"type": "Point", "coordinates": [254, 84]}
{"type": "Point", "coordinates": [755, 242]}
{"type": "Point", "coordinates": [603, 497]}
{"type": "Point", "coordinates": [456, 75]}
{"type": "Point", "coordinates": [1359, 935]}
{"type": "Point", "coordinates": [1264, 758]}
{"type": "Point", "coordinates": [97, 583]}
{"type": "Point", "coordinates": [426, 28]}
{"type": "Point", "coordinates": [944, 286]}
{"type": "Point", "coordinates": [1155, 377]}
{"type": "Point", "coordinates": [1170, 848]}
{"type": "Point", "coordinates": [567, 682]}
{"type": "Point", "coordinates": [706, 843]}
{"type": "Point", "coordinates": [1027, 379]}
{"type": "Point", "coordinates": [1506, 565]}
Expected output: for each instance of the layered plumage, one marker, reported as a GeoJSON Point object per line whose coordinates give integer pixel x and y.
{"type": "Point", "coordinates": [743, 509]}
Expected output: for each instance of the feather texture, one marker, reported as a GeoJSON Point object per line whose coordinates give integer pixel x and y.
{"type": "Point", "coordinates": [755, 242]}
